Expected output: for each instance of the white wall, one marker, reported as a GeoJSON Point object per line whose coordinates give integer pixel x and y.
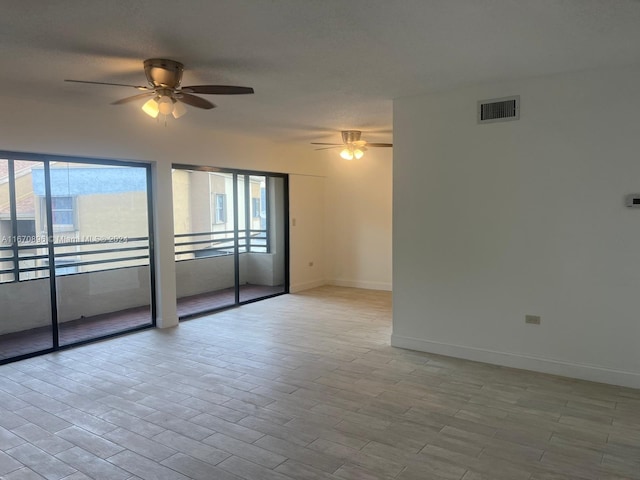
{"type": "Point", "coordinates": [306, 231]}
{"type": "Point", "coordinates": [358, 219]}
{"type": "Point", "coordinates": [24, 305]}
{"type": "Point", "coordinates": [493, 222]}
{"type": "Point", "coordinates": [205, 275]}
{"type": "Point", "coordinates": [95, 293]}
{"type": "Point", "coordinates": [125, 133]}
{"type": "Point", "coordinates": [208, 274]}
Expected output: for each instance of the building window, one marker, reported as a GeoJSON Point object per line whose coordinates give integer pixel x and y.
{"type": "Point", "coordinates": [221, 208]}
{"type": "Point", "coordinates": [255, 207]}
{"type": "Point", "coordinates": [27, 229]}
{"type": "Point", "coordinates": [63, 213]}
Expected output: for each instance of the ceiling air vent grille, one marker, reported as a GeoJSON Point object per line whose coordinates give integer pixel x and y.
{"type": "Point", "coordinates": [499, 109]}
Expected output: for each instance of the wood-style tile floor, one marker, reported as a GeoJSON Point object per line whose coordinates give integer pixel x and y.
{"type": "Point", "coordinates": [303, 386]}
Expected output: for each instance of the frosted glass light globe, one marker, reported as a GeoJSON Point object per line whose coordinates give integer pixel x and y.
{"type": "Point", "coordinates": [165, 105]}
{"type": "Point", "coordinates": [347, 154]}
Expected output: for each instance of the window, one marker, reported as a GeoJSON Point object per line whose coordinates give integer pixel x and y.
{"type": "Point", "coordinates": [27, 229]}
{"type": "Point", "coordinates": [63, 213]}
{"type": "Point", "coordinates": [220, 208]}
{"type": "Point", "coordinates": [255, 207]}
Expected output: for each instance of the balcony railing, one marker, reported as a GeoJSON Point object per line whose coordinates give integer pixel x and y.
{"type": "Point", "coordinates": [22, 261]}
{"type": "Point", "coordinates": [29, 261]}
{"type": "Point", "coordinates": [211, 244]}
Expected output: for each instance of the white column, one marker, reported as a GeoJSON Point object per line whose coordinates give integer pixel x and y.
{"type": "Point", "coordinates": [166, 309]}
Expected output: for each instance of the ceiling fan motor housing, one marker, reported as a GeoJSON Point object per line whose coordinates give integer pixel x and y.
{"type": "Point", "coordinates": [164, 73]}
{"type": "Point", "coordinates": [351, 136]}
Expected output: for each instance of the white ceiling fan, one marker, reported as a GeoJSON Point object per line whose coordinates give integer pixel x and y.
{"type": "Point", "coordinates": [352, 145]}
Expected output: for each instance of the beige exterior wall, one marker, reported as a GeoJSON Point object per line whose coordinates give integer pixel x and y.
{"type": "Point", "coordinates": [200, 211]}
{"type": "Point", "coordinates": [120, 215]}
{"type": "Point", "coordinates": [24, 190]}
{"type": "Point", "coordinates": [116, 214]}
{"type": "Point", "coordinates": [181, 201]}
{"type": "Point", "coordinates": [5, 232]}
{"type": "Point", "coordinates": [25, 212]}
{"type": "Point", "coordinates": [4, 196]}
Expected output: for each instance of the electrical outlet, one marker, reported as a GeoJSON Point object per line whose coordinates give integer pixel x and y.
{"type": "Point", "coordinates": [532, 319]}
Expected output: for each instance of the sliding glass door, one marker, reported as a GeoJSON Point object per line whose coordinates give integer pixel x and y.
{"type": "Point", "coordinates": [100, 226]}
{"type": "Point", "coordinates": [261, 236]}
{"type": "Point", "coordinates": [75, 255]}
{"type": "Point", "coordinates": [27, 320]}
{"type": "Point", "coordinates": [204, 226]}
{"type": "Point", "coordinates": [230, 233]}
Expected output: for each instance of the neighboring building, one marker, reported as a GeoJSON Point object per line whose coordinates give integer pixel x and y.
{"type": "Point", "coordinates": [93, 207]}
{"type": "Point", "coordinates": [25, 204]}
{"type": "Point", "coordinates": [25, 213]}
{"type": "Point", "coordinates": [203, 203]}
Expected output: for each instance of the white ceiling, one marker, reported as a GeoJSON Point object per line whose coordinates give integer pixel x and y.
{"type": "Point", "coordinates": [317, 66]}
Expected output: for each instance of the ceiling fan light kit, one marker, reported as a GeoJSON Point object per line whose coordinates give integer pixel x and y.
{"type": "Point", "coordinates": [167, 96]}
{"type": "Point", "coordinates": [352, 145]}
{"type": "Point", "coordinates": [350, 153]}
{"type": "Point", "coordinates": [178, 110]}
{"type": "Point", "coordinates": [164, 105]}
{"type": "Point", "coordinates": [150, 107]}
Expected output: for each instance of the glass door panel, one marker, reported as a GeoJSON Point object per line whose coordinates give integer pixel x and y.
{"type": "Point", "coordinates": [101, 249]}
{"type": "Point", "coordinates": [262, 231]}
{"type": "Point", "coordinates": [25, 288]}
{"type": "Point", "coordinates": [205, 239]}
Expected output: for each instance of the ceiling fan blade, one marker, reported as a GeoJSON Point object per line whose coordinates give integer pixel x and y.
{"type": "Point", "coordinates": [195, 101]}
{"type": "Point", "coordinates": [133, 98]}
{"type": "Point", "coordinates": [139, 87]}
{"type": "Point", "coordinates": [328, 148]}
{"type": "Point", "coordinates": [323, 143]}
{"type": "Point", "coordinates": [218, 89]}
{"type": "Point", "coordinates": [379, 144]}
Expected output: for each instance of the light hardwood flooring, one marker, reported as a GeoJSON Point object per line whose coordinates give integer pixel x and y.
{"type": "Point", "coordinates": [303, 386]}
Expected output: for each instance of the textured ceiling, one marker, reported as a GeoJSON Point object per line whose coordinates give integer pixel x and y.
{"type": "Point", "coordinates": [317, 66]}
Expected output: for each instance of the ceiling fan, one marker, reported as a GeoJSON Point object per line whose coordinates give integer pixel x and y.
{"type": "Point", "coordinates": [166, 95]}
{"type": "Point", "coordinates": [352, 146]}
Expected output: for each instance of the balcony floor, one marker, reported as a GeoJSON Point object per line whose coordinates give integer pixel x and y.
{"type": "Point", "coordinates": [208, 301]}
{"type": "Point", "coordinates": [38, 339]}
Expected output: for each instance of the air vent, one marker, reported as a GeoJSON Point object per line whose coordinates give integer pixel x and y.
{"type": "Point", "coordinates": [499, 109]}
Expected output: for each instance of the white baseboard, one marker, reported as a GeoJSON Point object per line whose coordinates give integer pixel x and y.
{"type": "Point", "coordinates": [526, 362]}
{"type": "Point", "coordinates": [298, 287]}
{"type": "Point", "coordinates": [362, 284]}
